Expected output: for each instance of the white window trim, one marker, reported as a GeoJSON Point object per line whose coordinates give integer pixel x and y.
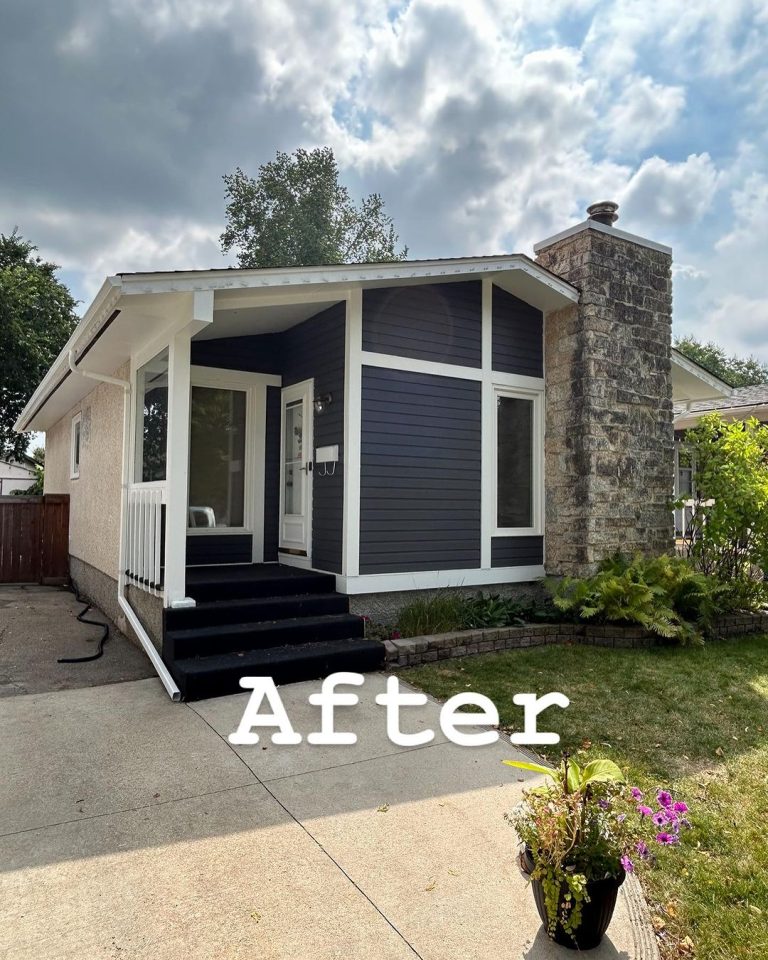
{"type": "Point", "coordinates": [537, 396]}
{"type": "Point", "coordinates": [74, 467]}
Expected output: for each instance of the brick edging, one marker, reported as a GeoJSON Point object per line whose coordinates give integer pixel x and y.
{"type": "Point", "coordinates": [411, 651]}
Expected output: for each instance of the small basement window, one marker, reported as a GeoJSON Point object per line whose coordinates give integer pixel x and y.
{"type": "Point", "coordinates": [74, 467]}
{"type": "Point", "coordinates": [519, 450]}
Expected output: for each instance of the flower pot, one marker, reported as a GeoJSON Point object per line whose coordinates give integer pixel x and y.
{"type": "Point", "coordinates": [595, 914]}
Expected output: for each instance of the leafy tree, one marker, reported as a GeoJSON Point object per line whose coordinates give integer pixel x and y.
{"type": "Point", "coordinates": [736, 371]}
{"type": "Point", "coordinates": [37, 316]}
{"type": "Point", "coordinates": [728, 533]}
{"type": "Point", "coordinates": [296, 213]}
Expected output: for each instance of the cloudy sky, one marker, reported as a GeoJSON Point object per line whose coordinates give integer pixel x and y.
{"type": "Point", "coordinates": [486, 125]}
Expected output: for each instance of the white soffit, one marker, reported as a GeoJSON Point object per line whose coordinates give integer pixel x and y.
{"type": "Point", "coordinates": [691, 383]}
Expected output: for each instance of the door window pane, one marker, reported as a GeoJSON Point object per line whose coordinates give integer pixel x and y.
{"type": "Point", "coordinates": [293, 473]}
{"type": "Point", "coordinates": [152, 419]}
{"type": "Point", "coordinates": [217, 458]}
{"type": "Point", "coordinates": [514, 462]}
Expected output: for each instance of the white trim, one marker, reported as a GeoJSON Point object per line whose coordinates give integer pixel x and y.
{"type": "Point", "coordinates": [436, 579]}
{"type": "Point", "coordinates": [487, 430]}
{"type": "Point", "coordinates": [601, 228]}
{"type": "Point", "coordinates": [74, 467]}
{"type": "Point", "coordinates": [304, 391]}
{"type": "Point", "coordinates": [177, 468]}
{"type": "Point", "coordinates": [537, 507]}
{"type": "Point", "coordinates": [228, 279]}
{"type": "Point", "coordinates": [411, 365]}
{"type": "Point", "coordinates": [353, 392]}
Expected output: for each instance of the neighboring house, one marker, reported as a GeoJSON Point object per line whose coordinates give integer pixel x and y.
{"type": "Point", "coordinates": [268, 447]}
{"type": "Point", "coordinates": [737, 403]}
{"type": "Point", "coordinates": [17, 475]}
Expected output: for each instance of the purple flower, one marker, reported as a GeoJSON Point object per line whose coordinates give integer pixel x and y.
{"type": "Point", "coordinates": [680, 807]}
{"type": "Point", "coordinates": [636, 793]}
{"type": "Point", "coordinates": [603, 804]}
{"type": "Point", "coordinates": [666, 839]}
{"type": "Point", "coordinates": [643, 810]}
{"type": "Point", "coordinates": [664, 799]}
{"type": "Point", "coordinates": [627, 864]}
{"type": "Point", "coordinates": [660, 818]}
{"type": "Point", "coordinates": [642, 849]}
{"type": "Point", "coordinates": [621, 817]}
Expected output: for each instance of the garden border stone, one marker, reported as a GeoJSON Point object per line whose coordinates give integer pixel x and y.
{"type": "Point", "coordinates": [412, 651]}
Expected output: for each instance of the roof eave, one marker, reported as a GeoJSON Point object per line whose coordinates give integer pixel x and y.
{"type": "Point", "coordinates": [96, 314]}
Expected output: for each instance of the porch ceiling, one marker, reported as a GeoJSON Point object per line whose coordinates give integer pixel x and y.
{"type": "Point", "coordinates": [232, 317]}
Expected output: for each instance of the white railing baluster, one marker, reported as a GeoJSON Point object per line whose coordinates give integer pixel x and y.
{"type": "Point", "coordinates": [144, 526]}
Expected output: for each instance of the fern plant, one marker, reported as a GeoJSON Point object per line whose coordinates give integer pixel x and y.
{"type": "Point", "coordinates": [664, 595]}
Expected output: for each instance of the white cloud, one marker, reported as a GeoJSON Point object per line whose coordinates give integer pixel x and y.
{"type": "Point", "coordinates": [644, 110]}
{"type": "Point", "coordinates": [673, 195]}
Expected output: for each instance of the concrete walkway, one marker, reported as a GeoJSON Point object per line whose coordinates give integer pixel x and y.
{"type": "Point", "coordinates": [131, 829]}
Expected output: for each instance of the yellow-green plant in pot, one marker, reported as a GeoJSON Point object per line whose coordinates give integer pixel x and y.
{"type": "Point", "coordinates": [581, 832]}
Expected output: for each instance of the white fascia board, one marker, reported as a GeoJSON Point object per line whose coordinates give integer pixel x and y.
{"type": "Point", "coordinates": [344, 275]}
{"type": "Point", "coordinates": [601, 228]}
{"type": "Point", "coordinates": [97, 313]}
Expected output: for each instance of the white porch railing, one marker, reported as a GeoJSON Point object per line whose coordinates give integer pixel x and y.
{"type": "Point", "coordinates": [144, 541]}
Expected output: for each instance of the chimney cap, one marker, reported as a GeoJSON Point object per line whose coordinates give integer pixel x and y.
{"type": "Point", "coordinates": [604, 212]}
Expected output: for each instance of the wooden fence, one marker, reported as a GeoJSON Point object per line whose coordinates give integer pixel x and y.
{"type": "Point", "coordinates": [34, 539]}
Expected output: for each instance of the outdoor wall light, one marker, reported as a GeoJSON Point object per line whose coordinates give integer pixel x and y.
{"type": "Point", "coordinates": [322, 402]}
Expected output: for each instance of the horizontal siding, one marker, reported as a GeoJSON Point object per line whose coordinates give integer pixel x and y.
{"type": "Point", "coordinates": [316, 348]}
{"type": "Point", "coordinates": [517, 551]}
{"type": "Point", "coordinates": [259, 354]}
{"type": "Point", "coordinates": [219, 548]}
{"type": "Point", "coordinates": [518, 332]}
{"type": "Point", "coordinates": [437, 321]}
{"type": "Point", "coordinates": [420, 472]}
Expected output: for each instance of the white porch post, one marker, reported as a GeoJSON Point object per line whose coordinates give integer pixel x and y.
{"type": "Point", "coordinates": [177, 463]}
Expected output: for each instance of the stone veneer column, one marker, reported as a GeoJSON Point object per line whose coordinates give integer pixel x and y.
{"type": "Point", "coordinates": [609, 434]}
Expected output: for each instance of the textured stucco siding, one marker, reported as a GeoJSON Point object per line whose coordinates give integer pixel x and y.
{"type": "Point", "coordinates": [94, 506]}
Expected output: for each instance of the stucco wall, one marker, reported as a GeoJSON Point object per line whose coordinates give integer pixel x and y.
{"type": "Point", "coordinates": [94, 509]}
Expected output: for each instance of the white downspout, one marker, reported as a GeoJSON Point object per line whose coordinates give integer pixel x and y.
{"type": "Point", "coordinates": [144, 639]}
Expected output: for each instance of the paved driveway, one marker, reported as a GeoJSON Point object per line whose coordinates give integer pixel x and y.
{"type": "Point", "coordinates": [130, 828]}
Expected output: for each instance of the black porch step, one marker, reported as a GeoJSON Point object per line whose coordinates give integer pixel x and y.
{"type": "Point", "coordinates": [215, 676]}
{"type": "Point", "coordinates": [252, 609]}
{"type": "Point", "coordinates": [233, 637]}
{"type": "Point", "coordinates": [255, 580]}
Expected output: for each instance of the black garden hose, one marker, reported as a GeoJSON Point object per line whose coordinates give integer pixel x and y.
{"type": "Point", "coordinates": [83, 619]}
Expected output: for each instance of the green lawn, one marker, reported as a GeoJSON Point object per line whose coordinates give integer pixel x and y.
{"type": "Point", "coordinates": [693, 719]}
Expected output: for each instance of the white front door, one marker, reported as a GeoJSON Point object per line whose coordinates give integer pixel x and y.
{"type": "Point", "coordinates": [296, 469]}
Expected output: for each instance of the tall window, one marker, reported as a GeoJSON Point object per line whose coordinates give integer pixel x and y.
{"type": "Point", "coordinates": [152, 419]}
{"type": "Point", "coordinates": [518, 452]}
{"type": "Point", "coordinates": [217, 458]}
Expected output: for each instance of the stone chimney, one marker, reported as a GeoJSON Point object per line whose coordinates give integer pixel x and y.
{"type": "Point", "coordinates": [609, 434]}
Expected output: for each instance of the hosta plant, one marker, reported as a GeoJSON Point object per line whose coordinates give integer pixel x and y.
{"type": "Point", "coordinates": [582, 827]}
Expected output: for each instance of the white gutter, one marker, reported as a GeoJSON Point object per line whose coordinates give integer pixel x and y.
{"type": "Point", "coordinates": [138, 628]}
{"type": "Point", "coordinates": [149, 648]}
{"type": "Point", "coordinates": [101, 377]}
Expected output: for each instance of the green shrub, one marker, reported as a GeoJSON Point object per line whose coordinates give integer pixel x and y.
{"type": "Point", "coordinates": [439, 613]}
{"type": "Point", "coordinates": [727, 536]}
{"type": "Point", "coordinates": [665, 595]}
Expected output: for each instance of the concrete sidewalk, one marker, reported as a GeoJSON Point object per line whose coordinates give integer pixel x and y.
{"type": "Point", "coordinates": [130, 828]}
